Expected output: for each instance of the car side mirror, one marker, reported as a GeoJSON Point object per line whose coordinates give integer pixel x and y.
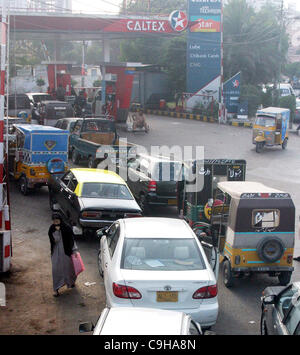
{"type": "Point", "coordinates": [86, 327]}
{"type": "Point", "coordinates": [101, 232]}
{"type": "Point", "coordinates": [209, 332]}
{"type": "Point", "coordinates": [269, 299]}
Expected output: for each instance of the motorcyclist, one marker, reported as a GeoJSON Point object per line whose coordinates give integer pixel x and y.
{"type": "Point", "coordinates": [80, 103]}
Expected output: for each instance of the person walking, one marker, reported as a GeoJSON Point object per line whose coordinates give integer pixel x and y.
{"type": "Point", "coordinates": [62, 247]}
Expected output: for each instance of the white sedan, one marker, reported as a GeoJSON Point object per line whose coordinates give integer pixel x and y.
{"type": "Point", "coordinates": [142, 321]}
{"type": "Point", "coordinates": [158, 263]}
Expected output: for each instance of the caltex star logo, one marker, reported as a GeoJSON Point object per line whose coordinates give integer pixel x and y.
{"type": "Point", "coordinates": [236, 84]}
{"type": "Point", "coordinates": [178, 20]}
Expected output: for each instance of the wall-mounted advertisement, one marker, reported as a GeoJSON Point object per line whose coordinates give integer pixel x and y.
{"type": "Point", "coordinates": [203, 48]}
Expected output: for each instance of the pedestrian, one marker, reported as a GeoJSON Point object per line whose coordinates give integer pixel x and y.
{"type": "Point", "coordinates": [62, 247]}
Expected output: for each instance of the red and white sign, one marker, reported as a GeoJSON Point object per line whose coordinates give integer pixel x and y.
{"type": "Point", "coordinates": [140, 26]}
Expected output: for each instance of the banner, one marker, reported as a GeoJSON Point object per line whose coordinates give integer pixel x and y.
{"type": "Point", "coordinates": [204, 46]}
{"type": "Point", "coordinates": [232, 92]}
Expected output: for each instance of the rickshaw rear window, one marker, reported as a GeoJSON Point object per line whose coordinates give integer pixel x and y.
{"type": "Point", "coordinates": [265, 218]}
{"type": "Point", "coordinates": [265, 121]}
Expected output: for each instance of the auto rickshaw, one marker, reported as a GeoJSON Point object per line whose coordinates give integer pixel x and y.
{"type": "Point", "coordinates": [195, 206]}
{"type": "Point", "coordinates": [40, 152]}
{"type": "Point", "coordinates": [271, 128]}
{"type": "Point", "coordinates": [255, 230]}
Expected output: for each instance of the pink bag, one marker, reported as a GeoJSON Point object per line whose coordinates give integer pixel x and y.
{"type": "Point", "coordinates": [77, 263]}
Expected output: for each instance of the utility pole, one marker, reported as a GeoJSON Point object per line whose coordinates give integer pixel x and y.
{"type": "Point", "coordinates": [279, 50]}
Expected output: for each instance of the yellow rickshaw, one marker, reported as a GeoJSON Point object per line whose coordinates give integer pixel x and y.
{"type": "Point", "coordinates": [255, 230]}
{"type": "Point", "coordinates": [271, 128]}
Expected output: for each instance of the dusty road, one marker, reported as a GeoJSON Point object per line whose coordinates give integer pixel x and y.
{"type": "Point", "coordinates": [31, 308]}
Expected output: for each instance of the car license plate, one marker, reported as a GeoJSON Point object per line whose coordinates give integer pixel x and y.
{"type": "Point", "coordinates": [172, 202]}
{"type": "Point", "coordinates": [263, 269]}
{"type": "Point", "coordinates": [162, 296]}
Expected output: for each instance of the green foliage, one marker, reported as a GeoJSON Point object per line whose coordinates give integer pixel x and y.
{"type": "Point", "coordinates": [252, 94]}
{"type": "Point", "coordinates": [40, 82]}
{"type": "Point", "coordinates": [156, 6]}
{"type": "Point", "coordinates": [292, 69]}
{"type": "Point", "coordinates": [251, 42]}
{"type": "Point", "coordinates": [289, 102]}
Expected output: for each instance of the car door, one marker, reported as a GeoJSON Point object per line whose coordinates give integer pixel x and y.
{"type": "Point", "coordinates": [278, 312]}
{"type": "Point", "coordinates": [108, 248]}
{"type": "Point", "coordinates": [75, 135]}
{"type": "Point", "coordinates": [64, 193]}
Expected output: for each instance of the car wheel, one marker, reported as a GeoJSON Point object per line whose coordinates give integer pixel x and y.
{"type": "Point", "coordinates": [75, 157]}
{"type": "Point", "coordinates": [24, 185]}
{"type": "Point", "coordinates": [284, 144]}
{"type": "Point", "coordinates": [227, 274]}
{"type": "Point", "coordinates": [263, 325]}
{"type": "Point", "coordinates": [143, 204]}
{"type": "Point", "coordinates": [99, 264]}
{"type": "Point", "coordinates": [285, 278]}
{"type": "Point", "coordinates": [259, 147]}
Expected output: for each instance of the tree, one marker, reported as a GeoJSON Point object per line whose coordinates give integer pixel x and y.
{"type": "Point", "coordinates": [154, 6]}
{"type": "Point", "coordinates": [251, 42]}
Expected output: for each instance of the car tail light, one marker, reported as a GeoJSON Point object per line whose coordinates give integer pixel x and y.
{"type": "Point", "coordinates": [91, 214]}
{"type": "Point", "coordinates": [132, 215]}
{"type": "Point", "coordinates": [122, 291]}
{"type": "Point", "coordinates": [7, 251]}
{"type": "Point", "coordinates": [206, 292]}
{"type": "Point", "coordinates": [152, 186]}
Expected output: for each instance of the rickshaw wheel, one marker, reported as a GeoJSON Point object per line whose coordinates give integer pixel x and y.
{"type": "Point", "coordinates": [284, 144]}
{"type": "Point", "coordinates": [227, 274]}
{"type": "Point", "coordinates": [285, 278]}
{"type": "Point", "coordinates": [24, 185]}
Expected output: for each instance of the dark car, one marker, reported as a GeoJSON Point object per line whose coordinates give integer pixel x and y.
{"type": "Point", "coordinates": [35, 99]}
{"type": "Point", "coordinates": [281, 310]}
{"type": "Point", "coordinates": [19, 103]}
{"type": "Point", "coordinates": [153, 180]}
{"type": "Point", "coordinates": [48, 112]}
{"type": "Point", "coordinates": [92, 198]}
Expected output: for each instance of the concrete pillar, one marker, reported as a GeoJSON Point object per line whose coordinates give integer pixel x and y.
{"type": "Point", "coordinates": [106, 50]}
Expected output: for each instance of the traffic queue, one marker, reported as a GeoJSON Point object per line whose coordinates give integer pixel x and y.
{"type": "Point", "coordinates": [155, 262]}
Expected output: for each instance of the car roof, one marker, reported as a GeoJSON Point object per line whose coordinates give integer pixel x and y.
{"type": "Point", "coordinates": [142, 321]}
{"type": "Point", "coordinates": [56, 102]}
{"type": "Point", "coordinates": [156, 227]}
{"type": "Point", "coordinates": [97, 175]}
{"type": "Point", "coordinates": [159, 158]}
{"type": "Point", "coordinates": [237, 188]}
{"type": "Point", "coordinates": [71, 119]}
{"type": "Point", "coordinates": [37, 93]}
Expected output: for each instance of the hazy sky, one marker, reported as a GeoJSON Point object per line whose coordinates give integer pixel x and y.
{"type": "Point", "coordinates": [112, 6]}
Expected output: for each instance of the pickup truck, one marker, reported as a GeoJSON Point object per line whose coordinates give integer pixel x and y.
{"type": "Point", "coordinates": [95, 139]}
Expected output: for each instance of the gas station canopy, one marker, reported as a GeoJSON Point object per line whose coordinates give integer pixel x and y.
{"type": "Point", "coordinates": [76, 27]}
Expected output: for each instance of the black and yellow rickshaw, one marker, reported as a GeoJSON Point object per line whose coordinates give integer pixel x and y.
{"type": "Point", "coordinates": [255, 229]}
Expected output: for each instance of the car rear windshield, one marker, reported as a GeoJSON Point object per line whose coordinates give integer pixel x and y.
{"type": "Point", "coordinates": [161, 254]}
{"type": "Point", "coordinates": [39, 98]}
{"type": "Point", "coordinates": [18, 102]}
{"type": "Point", "coordinates": [166, 171]}
{"type": "Point", "coordinates": [107, 191]}
{"type": "Point", "coordinates": [98, 126]}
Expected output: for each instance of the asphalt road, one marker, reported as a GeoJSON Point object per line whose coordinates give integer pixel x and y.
{"type": "Point", "coordinates": [31, 307]}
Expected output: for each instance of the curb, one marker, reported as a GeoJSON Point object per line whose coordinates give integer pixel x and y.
{"type": "Point", "coordinates": [191, 116]}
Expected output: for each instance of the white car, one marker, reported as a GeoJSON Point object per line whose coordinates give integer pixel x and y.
{"type": "Point", "coordinates": [142, 321]}
{"type": "Point", "coordinates": [158, 263]}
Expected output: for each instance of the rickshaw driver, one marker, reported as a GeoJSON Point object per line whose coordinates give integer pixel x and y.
{"type": "Point", "coordinates": [140, 122]}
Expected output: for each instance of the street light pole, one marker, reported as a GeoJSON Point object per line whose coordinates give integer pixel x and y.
{"type": "Point", "coordinates": [279, 50]}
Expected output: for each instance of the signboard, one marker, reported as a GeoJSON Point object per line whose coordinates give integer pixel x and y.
{"type": "Point", "coordinates": [242, 112]}
{"type": "Point", "coordinates": [140, 26]}
{"type": "Point", "coordinates": [204, 47]}
{"type": "Point", "coordinates": [232, 92]}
